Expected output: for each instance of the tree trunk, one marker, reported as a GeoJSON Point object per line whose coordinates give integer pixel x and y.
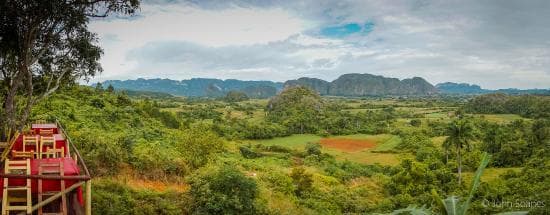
{"type": "Point", "coordinates": [446, 155]}
{"type": "Point", "coordinates": [9, 115]}
{"type": "Point", "coordinates": [459, 159]}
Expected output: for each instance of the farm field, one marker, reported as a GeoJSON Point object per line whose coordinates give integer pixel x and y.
{"type": "Point", "coordinates": [362, 152]}
{"type": "Point", "coordinates": [501, 118]}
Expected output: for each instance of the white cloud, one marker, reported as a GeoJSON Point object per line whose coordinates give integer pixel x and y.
{"type": "Point", "coordinates": [233, 26]}
{"type": "Point", "coordinates": [496, 44]}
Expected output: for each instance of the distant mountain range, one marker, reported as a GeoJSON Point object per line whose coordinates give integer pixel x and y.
{"type": "Point", "coordinates": [463, 88]}
{"type": "Point", "coordinates": [353, 84]}
{"type": "Point", "coordinates": [197, 87]}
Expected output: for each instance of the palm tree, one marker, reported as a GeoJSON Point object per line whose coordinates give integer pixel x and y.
{"type": "Point", "coordinates": [447, 146]}
{"type": "Point", "coordinates": [453, 205]}
{"type": "Point", "coordinates": [460, 132]}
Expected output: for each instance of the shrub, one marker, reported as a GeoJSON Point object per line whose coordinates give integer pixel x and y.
{"type": "Point", "coordinates": [313, 148]}
{"type": "Point", "coordinates": [111, 197]}
{"type": "Point", "coordinates": [248, 153]}
{"type": "Point", "coordinates": [223, 190]}
{"type": "Point", "coordinates": [416, 122]}
{"type": "Point", "coordinates": [303, 182]}
{"type": "Point", "coordinates": [198, 145]}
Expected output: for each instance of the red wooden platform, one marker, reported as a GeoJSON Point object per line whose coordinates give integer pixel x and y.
{"type": "Point", "coordinates": [70, 168]}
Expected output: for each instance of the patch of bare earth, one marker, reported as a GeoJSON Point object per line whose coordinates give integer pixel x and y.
{"type": "Point", "coordinates": [347, 145]}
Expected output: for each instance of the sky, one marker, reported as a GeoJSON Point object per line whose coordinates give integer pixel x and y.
{"type": "Point", "coordinates": [491, 43]}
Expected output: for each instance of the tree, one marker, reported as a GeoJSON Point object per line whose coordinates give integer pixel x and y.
{"type": "Point", "coordinates": [460, 132]}
{"type": "Point", "coordinates": [235, 96]}
{"type": "Point", "coordinates": [224, 190]}
{"type": "Point", "coordinates": [299, 108]}
{"type": "Point", "coordinates": [99, 87]}
{"type": "Point", "coordinates": [303, 181]}
{"type": "Point", "coordinates": [45, 45]}
{"type": "Point", "coordinates": [313, 149]}
{"type": "Point", "coordinates": [198, 145]}
{"type": "Point", "coordinates": [447, 146]}
{"type": "Point", "coordinates": [110, 88]}
{"type": "Point", "coordinates": [416, 122]}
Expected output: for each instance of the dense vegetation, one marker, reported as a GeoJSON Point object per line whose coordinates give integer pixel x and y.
{"type": "Point", "coordinates": [248, 156]}
{"type": "Point", "coordinates": [530, 106]}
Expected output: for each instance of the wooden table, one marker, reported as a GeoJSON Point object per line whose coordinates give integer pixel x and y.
{"type": "Point", "coordinates": [70, 168]}
{"type": "Point", "coordinates": [37, 127]}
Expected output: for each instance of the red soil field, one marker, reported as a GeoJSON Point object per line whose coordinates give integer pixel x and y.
{"type": "Point", "coordinates": [347, 145]}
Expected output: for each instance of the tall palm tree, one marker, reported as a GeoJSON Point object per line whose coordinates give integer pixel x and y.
{"type": "Point", "coordinates": [447, 146]}
{"type": "Point", "coordinates": [460, 133]}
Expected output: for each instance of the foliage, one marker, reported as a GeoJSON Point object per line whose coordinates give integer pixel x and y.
{"type": "Point", "coordinates": [198, 145]}
{"type": "Point", "coordinates": [530, 106]}
{"type": "Point", "coordinates": [313, 149]}
{"type": "Point", "coordinates": [235, 96]}
{"type": "Point", "coordinates": [413, 141]}
{"type": "Point", "coordinates": [412, 182]}
{"type": "Point", "coordinates": [112, 197]}
{"type": "Point", "coordinates": [460, 134]}
{"type": "Point", "coordinates": [416, 122]}
{"type": "Point", "coordinates": [297, 108]}
{"type": "Point", "coordinates": [452, 205]}
{"type": "Point", "coordinates": [293, 174]}
{"type": "Point", "coordinates": [223, 190]}
{"type": "Point", "coordinates": [249, 153]}
{"type": "Point", "coordinates": [125, 132]}
{"type": "Point", "coordinates": [45, 45]}
{"type": "Point", "coordinates": [302, 181]}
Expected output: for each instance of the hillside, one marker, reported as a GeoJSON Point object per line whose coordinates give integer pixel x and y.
{"type": "Point", "coordinates": [355, 84]}
{"type": "Point", "coordinates": [459, 88]}
{"type": "Point", "coordinates": [196, 87]}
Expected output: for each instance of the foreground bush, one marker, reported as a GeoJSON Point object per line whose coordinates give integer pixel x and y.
{"type": "Point", "coordinates": [111, 197]}
{"type": "Point", "coordinates": [223, 190]}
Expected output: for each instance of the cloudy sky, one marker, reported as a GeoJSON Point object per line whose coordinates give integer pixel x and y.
{"type": "Point", "coordinates": [495, 43]}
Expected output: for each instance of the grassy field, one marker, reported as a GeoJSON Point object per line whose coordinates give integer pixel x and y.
{"type": "Point", "coordinates": [384, 142]}
{"type": "Point", "coordinates": [297, 141]}
{"type": "Point", "coordinates": [500, 118]}
{"type": "Point", "coordinates": [489, 174]}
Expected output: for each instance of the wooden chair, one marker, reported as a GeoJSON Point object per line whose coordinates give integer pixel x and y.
{"type": "Point", "coordinates": [31, 140]}
{"type": "Point", "coordinates": [17, 194]}
{"type": "Point", "coordinates": [22, 155]}
{"type": "Point", "coordinates": [56, 169]}
{"type": "Point", "coordinates": [46, 132]}
{"type": "Point", "coordinates": [54, 153]}
{"type": "Point", "coordinates": [46, 141]}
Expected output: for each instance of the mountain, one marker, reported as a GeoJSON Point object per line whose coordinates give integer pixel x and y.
{"type": "Point", "coordinates": [459, 88]}
{"type": "Point", "coordinates": [319, 85]}
{"type": "Point", "coordinates": [355, 84]}
{"type": "Point", "coordinates": [199, 86]}
{"type": "Point", "coordinates": [464, 88]}
{"type": "Point", "coordinates": [147, 94]}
